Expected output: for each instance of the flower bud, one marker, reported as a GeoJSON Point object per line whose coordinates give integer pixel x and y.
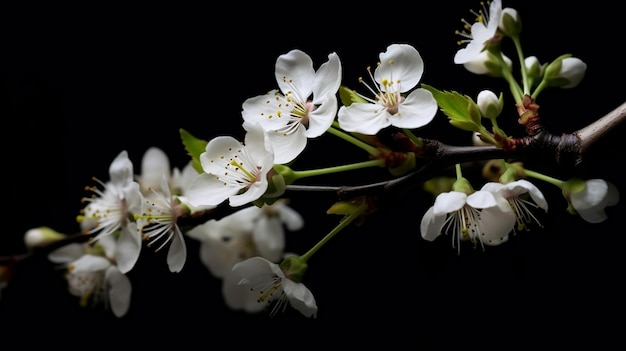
{"type": "Point", "coordinates": [510, 23]}
{"type": "Point", "coordinates": [42, 236]}
{"type": "Point", "coordinates": [534, 69]}
{"type": "Point", "coordinates": [565, 72]}
{"type": "Point", "coordinates": [487, 63]}
{"type": "Point", "coordinates": [489, 104]}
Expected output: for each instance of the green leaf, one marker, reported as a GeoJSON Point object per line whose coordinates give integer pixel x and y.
{"type": "Point", "coordinates": [194, 147]}
{"type": "Point", "coordinates": [348, 96]}
{"type": "Point", "coordinates": [460, 109]}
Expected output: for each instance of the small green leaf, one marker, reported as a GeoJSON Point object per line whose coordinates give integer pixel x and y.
{"type": "Point", "coordinates": [460, 109]}
{"type": "Point", "coordinates": [194, 147]}
{"type": "Point", "coordinates": [348, 96]}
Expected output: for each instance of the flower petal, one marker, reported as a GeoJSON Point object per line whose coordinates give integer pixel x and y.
{"type": "Point", "coordinates": [400, 64]}
{"type": "Point", "coordinates": [416, 111]}
{"type": "Point", "coordinates": [128, 248]}
{"type": "Point", "coordinates": [119, 291]}
{"type": "Point", "coordinates": [449, 202]}
{"type": "Point", "coordinates": [300, 298]}
{"type": "Point", "coordinates": [364, 118]}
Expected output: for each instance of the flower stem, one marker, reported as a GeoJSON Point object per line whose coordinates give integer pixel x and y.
{"type": "Point", "coordinates": [342, 224]}
{"type": "Point", "coordinates": [379, 162]}
{"type": "Point", "coordinates": [545, 178]}
{"type": "Point", "coordinates": [349, 138]}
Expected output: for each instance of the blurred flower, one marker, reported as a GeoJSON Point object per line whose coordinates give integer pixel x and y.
{"type": "Point", "coordinates": [42, 236]}
{"type": "Point", "coordinates": [246, 233]}
{"type": "Point", "coordinates": [589, 199]}
{"type": "Point", "coordinates": [93, 276]}
{"type": "Point", "coordinates": [256, 283]}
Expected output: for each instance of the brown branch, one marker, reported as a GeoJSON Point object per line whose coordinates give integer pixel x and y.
{"type": "Point", "coordinates": [590, 134]}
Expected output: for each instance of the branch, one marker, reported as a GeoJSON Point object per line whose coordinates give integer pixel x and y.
{"type": "Point", "coordinates": [590, 134]}
{"type": "Point", "coordinates": [566, 150]}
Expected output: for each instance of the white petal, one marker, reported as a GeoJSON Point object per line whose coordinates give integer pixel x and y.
{"type": "Point", "coordinates": [364, 118]}
{"type": "Point", "coordinates": [177, 253]}
{"type": "Point", "coordinates": [327, 79]}
{"type": "Point", "coordinates": [128, 248]}
{"type": "Point", "coordinates": [208, 190]}
{"type": "Point", "coordinates": [239, 296]}
{"type": "Point", "coordinates": [121, 170]}
{"type": "Point", "coordinates": [481, 199]}
{"type": "Point", "coordinates": [449, 202]}
{"type": "Point", "coordinates": [266, 109]}
{"type": "Point", "coordinates": [405, 71]}
{"type": "Point", "coordinates": [496, 223]}
{"type": "Point", "coordinates": [287, 146]}
{"type": "Point", "coordinates": [535, 193]}
{"type": "Point", "coordinates": [154, 165]}
{"type": "Point", "coordinates": [431, 224]}
{"type": "Point", "coordinates": [300, 298]}
{"type": "Point", "coordinates": [119, 291]}
{"type": "Point", "coordinates": [256, 143]}
{"type": "Point", "coordinates": [592, 196]}
{"type": "Point", "coordinates": [67, 253]}
{"type": "Point", "coordinates": [322, 117]}
{"type": "Point", "coordinates": [269, 238]}
{"type": "Point", "coordinates": [294, 72]}
{"type": "Point", "coordinates": [90, 263]}
{"type": "Point", "coordinates": [416, 111]}
{"type": "Point", "coordinates": [291, 218]}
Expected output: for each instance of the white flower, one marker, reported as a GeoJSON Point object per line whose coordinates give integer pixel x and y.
{"type": "Point", "coordinates": [400, 70]}
{"type": "Point", "coordinates": [255, 283]}
{"type": "Point", "coordinates": [225, 242]}
{"type": "Point", "coordinates": [515, 193]}
{"type": "Point", "coordinates": [591, 201]}
{"type": "Point", "coordinates": [246, 233]}
{"type": "Point", "coordinates": [157, 223]}
{"type": "Point", "coordinates": [233, 170]}
{"type": "Point", "coordinates": [481, 32]}
{"type": "Point", "coordinates": [109, 211]}
{"type": "Point", "coordinates": [93, 276]}
{"type": "Point", "coordinates": [477, 217]}
{"type": "Point", "coordinates": [304, 107]}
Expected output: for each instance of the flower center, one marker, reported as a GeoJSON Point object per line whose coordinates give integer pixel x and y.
{"type": "Point", "coordinates": [386, 94]}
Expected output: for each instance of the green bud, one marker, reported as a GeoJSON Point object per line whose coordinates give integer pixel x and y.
{"type": "Point", "coordinates": [288, 175]}
{"type": "Point", "coordinates": [489, 104]}
{"type": "Point", "coordinates": [534, 70]}
{"type": "Point", "coordinates": [294, 268]}
{"type": "Point", "coordinates": [510, 23]}
{"type": "Point", "coordinates": [463, 185]}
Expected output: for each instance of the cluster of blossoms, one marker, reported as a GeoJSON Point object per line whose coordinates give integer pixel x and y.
{"type": "Point", "coordinates": [247, 247]}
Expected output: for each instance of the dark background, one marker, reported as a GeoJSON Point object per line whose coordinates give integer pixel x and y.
{"type": "Point", "coordinates": [80, 84]}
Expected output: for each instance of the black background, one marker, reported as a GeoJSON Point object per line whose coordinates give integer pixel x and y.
{"type": "Point", "coordinates": [80, 84]}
